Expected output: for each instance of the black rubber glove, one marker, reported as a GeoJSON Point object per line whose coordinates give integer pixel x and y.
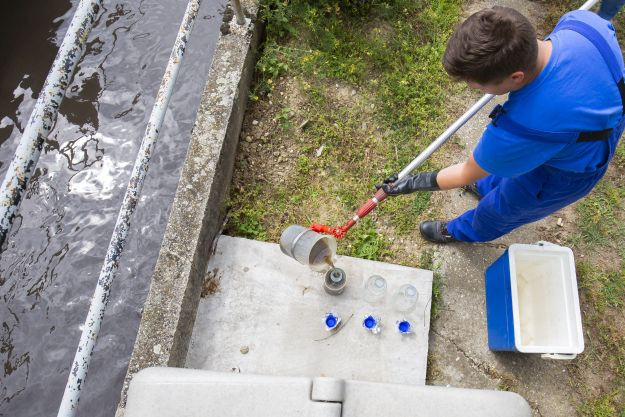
{"type": "Point", "coordinates": [424, 181]}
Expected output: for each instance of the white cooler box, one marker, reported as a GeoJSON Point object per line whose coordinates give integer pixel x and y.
{"type": "Point", "coordinates": [532, 304]}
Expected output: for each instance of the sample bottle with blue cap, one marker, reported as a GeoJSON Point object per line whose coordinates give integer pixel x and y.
{"type": "Point", "coordinates": [372, 324]}
{"type": "Point", "coordinates": [404, 327]}
{"type": "Point", "coordinates": [331, 321]}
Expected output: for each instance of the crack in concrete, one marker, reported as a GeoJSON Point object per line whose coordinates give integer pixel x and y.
{"type": "Point", "coordinates": [535, 408]}
{"type": "Point", "coordinates": [487, 370]}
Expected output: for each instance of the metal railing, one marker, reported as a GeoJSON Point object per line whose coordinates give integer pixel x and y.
{"type": "Point", "coordinates": [80, 365]}
{"type": "Point", "coordinates": [238, 10]}
{"type": "Point", "coordinates": [43, 117]}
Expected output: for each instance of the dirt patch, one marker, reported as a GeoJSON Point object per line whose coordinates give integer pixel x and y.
{"type": "Point", "coordinates": [379, 30]}
{"type": "Point", "coordinates": [211, 284]}
{"type": "Point", "coordinates": [264, 153]}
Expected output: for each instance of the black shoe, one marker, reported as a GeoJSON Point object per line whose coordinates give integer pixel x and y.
{"type": "Point", "coordinates": [435, 231]}
{"type": "Point", "coordinates": [472, 189]}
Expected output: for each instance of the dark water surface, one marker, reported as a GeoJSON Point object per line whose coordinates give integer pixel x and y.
{"type": "Point", "coordinates": [58, 242]}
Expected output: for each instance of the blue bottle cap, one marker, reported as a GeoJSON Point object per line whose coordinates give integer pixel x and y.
{"type": "Point", "coordinates": [331, 321]}
{"type": "Point", "coordinates": [404, 327]}
{"type": "Point", "coordinates": [372, 324]}
{"type": "Point", "coordinates": [369, 322]}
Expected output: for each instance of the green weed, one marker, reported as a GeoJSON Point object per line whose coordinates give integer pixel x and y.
{"type": "Point", "coordinates": [365, 242]}
{"type": "Point", "coordinates": [277, 16]}
{"type": "Point", "coordinates": [601, 406]}
{"type": "Point", "coordinates": [271, 64]}
{"type": "Point", "coordinates": [248, 223]}
{"type": "Point", "coordinates": [426, 261]}
{"type": "Point", "coordinates": [244, 220]}
{"type": "Point", "coordinates": [284, 118]}
{"type": "Point", "coordinates": [598, 214]}
{"type": "Point", "coordinates": [303, 165]}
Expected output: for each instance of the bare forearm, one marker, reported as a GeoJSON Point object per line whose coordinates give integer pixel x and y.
{"type": "Point", "coordinates": [460, 174]}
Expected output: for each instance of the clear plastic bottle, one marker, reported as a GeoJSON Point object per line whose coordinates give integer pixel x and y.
{"type": "Point", "coordinates": [405, 299]}
{"type": "Point", "coordinates": [375, 289]}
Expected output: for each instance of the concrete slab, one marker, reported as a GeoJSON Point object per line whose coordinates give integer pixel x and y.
{"type": "Point", "coordinates": [175, 392]}
{"type": "Point", "coordinates": [266, 317]}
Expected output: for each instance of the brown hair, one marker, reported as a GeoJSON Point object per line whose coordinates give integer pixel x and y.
{"type": "Point", "coordinates": [490, 45]}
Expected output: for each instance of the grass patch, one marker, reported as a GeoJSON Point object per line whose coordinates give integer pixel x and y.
{"type": "Point", "coordinates": [284, 118]}
{"type": "Point", "coordinates": [426, 261]}
{"type": "Point", "coordinates": [600, 214]}
{"type": "Point", "coordinates": [365, 242]}
{"type": "Point", "coordinates": [601, 278]}
{"type": "Point", "coordinates": [619, 156]}
{"type": "Point", "coordinates": [370, 83]}
{"type": "Point", "coordinates": [404, 212]}
{"type": "Point", "coordinates": [603, 406]}
{"type": "Point", "coordinates": [248, 222]}
{"type": "Point", "coordinates": [604, 288]}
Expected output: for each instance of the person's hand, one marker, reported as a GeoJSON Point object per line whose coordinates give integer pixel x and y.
{"type": "Point", "coordinates": [424, 181]}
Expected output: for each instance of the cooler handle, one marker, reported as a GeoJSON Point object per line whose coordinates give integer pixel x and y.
{"type": "Point", "coordinates": [559, 356]}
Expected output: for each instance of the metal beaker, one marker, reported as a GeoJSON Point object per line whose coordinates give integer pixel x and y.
{"type": "Point", "coordinates": [308, 247]}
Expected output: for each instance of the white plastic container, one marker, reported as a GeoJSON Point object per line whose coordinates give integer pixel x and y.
{"type": "Point", "coordinates": [545, 304]}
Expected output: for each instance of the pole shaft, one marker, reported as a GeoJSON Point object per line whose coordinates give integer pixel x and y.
{"type": "Point", "coordinates": [588, 5]}
{"type": "Point", "coordinates": [444, 137]}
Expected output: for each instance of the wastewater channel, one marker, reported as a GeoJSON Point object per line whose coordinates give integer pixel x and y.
{"type": "Point", "coordinates": [59, 239]}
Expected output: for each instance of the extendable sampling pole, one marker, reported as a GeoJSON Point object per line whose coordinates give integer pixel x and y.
{"type": "Point", "coordinates": [380, 195]}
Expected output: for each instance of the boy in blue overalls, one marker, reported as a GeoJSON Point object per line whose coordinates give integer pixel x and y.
{"type": "Point", "coordinates": [551, 142]}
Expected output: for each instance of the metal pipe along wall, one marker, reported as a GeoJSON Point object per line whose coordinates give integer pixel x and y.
{"type": "Point", "coordinates": [43, 117]}
{"type": "Point", "coordinates": [80, 365]}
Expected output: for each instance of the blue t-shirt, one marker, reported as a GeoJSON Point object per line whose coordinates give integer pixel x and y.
{"type": "Point", "coordinates": [574, 92]}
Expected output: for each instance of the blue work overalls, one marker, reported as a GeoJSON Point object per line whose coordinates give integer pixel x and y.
{"type": "Point", "coordinates": [508, 203]}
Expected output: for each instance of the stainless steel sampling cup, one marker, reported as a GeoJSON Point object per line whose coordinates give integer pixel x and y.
{"type": "Point", "coordinates": [307, 247]}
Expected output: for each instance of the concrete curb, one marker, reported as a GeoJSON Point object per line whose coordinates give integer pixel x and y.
{"type": "Point", "coordinates": [197, 211]}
